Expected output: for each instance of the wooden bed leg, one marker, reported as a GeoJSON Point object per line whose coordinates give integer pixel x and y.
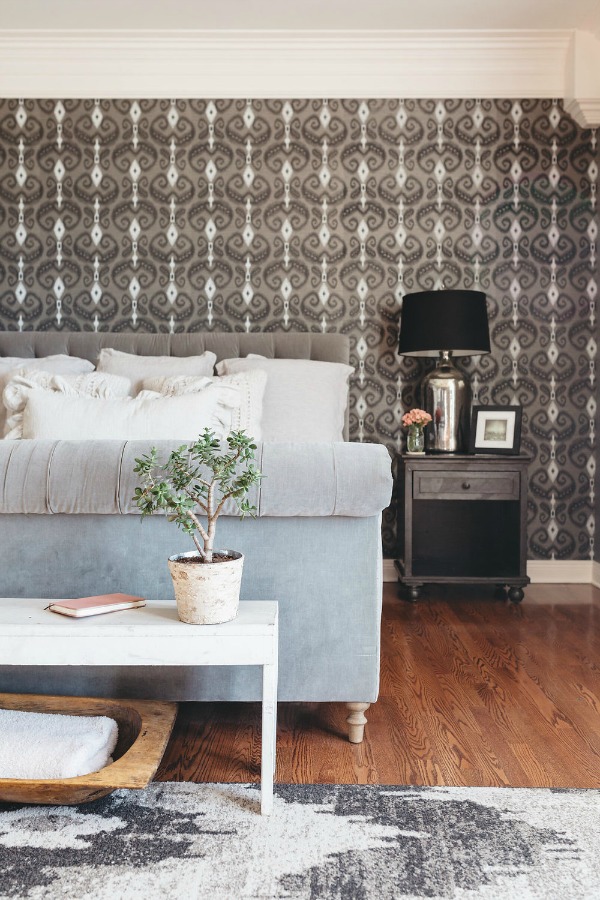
{"type": "Point", "coordinates": [357, 721]}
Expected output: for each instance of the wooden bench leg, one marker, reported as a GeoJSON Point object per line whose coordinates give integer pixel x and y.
{"type": "Point", "coordinates": [269, 732]}
{"type": "Point", "coordinates": [357, 721]}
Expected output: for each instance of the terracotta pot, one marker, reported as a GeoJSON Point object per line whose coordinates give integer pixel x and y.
{"type": "Point", "coordinates": [207, 593]}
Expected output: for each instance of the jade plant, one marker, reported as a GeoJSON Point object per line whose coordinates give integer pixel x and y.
{"type": "Point", "coordinates": [202, 476]}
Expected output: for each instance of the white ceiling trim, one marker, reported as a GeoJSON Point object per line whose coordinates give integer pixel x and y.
{"type": "Point", "coordinates": [44, 63]}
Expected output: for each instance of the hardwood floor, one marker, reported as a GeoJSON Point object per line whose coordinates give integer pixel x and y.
{"type": "Point", "coordinates": [474, 691]}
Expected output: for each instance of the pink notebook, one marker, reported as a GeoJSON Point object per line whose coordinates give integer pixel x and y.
{"type": "Point", "coordinates": [95, 606]}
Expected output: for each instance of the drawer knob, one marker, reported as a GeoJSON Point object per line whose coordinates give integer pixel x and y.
{"type": "Point", "coordinates": [466, 485]}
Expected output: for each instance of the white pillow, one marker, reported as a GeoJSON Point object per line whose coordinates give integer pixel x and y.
{"type": "Point", "coordinates": [146, 417]}
{"type": "Point", "coordinates": [58, 364]}
{"type": "Point", "coordinates": [250, 384]}
{"type": "Point", "coordinates": [17, 392]}
{"type": "Point", "coordinates": [305, 400]}
{"type": "Point", "coordinates": [137, 368]}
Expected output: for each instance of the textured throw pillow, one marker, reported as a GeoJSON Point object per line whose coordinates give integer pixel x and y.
{"type": "Point", "coordinates": [138, 368]}
{"type": "Point", "coordinates": [149, 416]}
{"type": "Point", "coordinates": [305, 400]}
{"type": "Point", "coordinates": [17, 392]}
{"type": "Point", "coordinates": [58, 364]}
{"type": "Point", "coordinates": [251, 386]}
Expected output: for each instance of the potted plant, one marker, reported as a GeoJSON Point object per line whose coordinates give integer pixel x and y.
{"type": "Point", "coordinates": [194, 483]}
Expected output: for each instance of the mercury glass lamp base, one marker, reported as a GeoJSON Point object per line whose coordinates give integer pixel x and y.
{"type": "Point", "coordinates": [447, 398]}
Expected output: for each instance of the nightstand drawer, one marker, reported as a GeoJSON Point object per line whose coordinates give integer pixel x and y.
{"type": "Point", "coordinates": [465, 485]}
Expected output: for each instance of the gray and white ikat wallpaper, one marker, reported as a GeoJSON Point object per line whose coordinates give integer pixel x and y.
{"type": "Point", "coordinates": [159, 215]}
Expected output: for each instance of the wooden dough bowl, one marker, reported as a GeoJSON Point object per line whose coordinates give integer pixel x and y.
{"type": "Point", "coordinates": [144, 730]}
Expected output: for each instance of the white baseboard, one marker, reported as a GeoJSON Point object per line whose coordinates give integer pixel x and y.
{"type": "Point", "coordinates": [541, 571]}
{"type": "Point", "coordinates": [560, 571]}
{"type": "Point", "coordinates": [389, 571]}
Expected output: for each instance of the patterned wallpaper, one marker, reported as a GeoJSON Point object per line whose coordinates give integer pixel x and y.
{"type": "Point", "coordinates": [308, 215]}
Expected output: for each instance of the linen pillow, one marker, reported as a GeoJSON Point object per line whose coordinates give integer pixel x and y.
{"type": "Point", "coordinates": [137, 368]}
{"type": "Point", "coordinates": [251, 386]}
{"type": "Point", "coordinates": [17, 392]}
{"type": "Point", "coordinates": [149, 416]}
{"type": "Point", "coordinates": [305, 399]}
{"type": "Point", "coordinates": [58, 364]}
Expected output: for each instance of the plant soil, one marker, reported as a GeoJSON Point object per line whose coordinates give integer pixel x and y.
{"type": "Point", "coordinates": [197, 561]}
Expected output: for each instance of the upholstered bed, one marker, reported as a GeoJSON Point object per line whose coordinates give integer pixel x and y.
{"type": "Point", "coordinates": [68, 527]}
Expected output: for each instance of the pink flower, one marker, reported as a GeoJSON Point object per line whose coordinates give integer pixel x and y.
{"type": "Point", "coordinates": [416, 417]}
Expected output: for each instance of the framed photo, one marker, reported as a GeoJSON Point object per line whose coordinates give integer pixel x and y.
{"type": "Point", "coordinates": [496, 429]}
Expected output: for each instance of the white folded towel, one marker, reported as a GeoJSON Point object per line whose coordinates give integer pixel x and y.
{"type": "Point", "coordinates": [48, 745]}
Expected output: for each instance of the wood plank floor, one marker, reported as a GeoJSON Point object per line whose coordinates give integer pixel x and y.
{"type": "Point", "coordinates": [474, 691]}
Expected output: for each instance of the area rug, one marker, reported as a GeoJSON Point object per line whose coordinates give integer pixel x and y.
{"type": "Point", "coordinates": [347, 841]}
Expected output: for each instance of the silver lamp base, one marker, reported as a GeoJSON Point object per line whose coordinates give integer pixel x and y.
{"type": "Point", "coordinates": [447, 398]}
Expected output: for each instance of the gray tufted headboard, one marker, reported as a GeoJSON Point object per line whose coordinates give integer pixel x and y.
{"type": "Point", "coordinates": [87, 345]}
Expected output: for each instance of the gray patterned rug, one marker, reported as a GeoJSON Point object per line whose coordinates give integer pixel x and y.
{"type": "Point", "coordinates": [356, 842]}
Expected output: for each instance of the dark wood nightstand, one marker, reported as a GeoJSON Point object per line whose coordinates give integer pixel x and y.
{"type": "Point", "coordinates": [462, 519]}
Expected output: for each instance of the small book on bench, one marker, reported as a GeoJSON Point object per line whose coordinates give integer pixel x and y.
{"type": "Point", "coordinates": [95, 606]}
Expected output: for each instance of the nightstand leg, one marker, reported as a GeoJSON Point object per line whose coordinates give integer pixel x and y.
{"type": "Point", "coordinates": [414, 592]}
{"type": "Point", "coordinates": [515, 594]}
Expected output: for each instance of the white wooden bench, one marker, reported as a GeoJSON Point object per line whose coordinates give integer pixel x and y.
{"type": "Point", "coordinates": [31, 635]}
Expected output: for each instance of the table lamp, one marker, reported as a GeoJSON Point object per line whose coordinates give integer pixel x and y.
{"type": "Point", "coordinates": [445, 324]}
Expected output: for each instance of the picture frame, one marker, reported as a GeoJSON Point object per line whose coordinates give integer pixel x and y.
{"type": "Point", "coordinates": [496, 430]}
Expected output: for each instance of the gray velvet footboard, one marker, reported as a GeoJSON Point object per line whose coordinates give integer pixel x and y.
{"type": "Point", "coordinates": [68, 528]}
{"type": "Point", "coordinates": [324, 571]}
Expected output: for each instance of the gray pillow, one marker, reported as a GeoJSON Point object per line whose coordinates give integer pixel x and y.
{"type": "Point", "coordinates": [138, 368]}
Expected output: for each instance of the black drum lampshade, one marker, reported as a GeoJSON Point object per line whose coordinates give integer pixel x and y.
{"type": "Point", "coordinates": [444, 324]}
{"type": "Point", "coordinates": [444, 320]}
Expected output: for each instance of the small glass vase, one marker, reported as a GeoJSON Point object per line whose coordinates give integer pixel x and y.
{"type": "Point", "coordinates": [415, 441]}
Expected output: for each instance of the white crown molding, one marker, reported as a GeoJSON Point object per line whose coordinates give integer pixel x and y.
{"type": "Point", "coordinates": [305, 64]}
{"type": "Point", "coordinates": [38, 63]}
{"type": "Point", "coordinates": [586, 112]}
{"type": "Point", "coordinates": [541, 571]}
{"type": "Point", "coordinates": [582, 86]}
